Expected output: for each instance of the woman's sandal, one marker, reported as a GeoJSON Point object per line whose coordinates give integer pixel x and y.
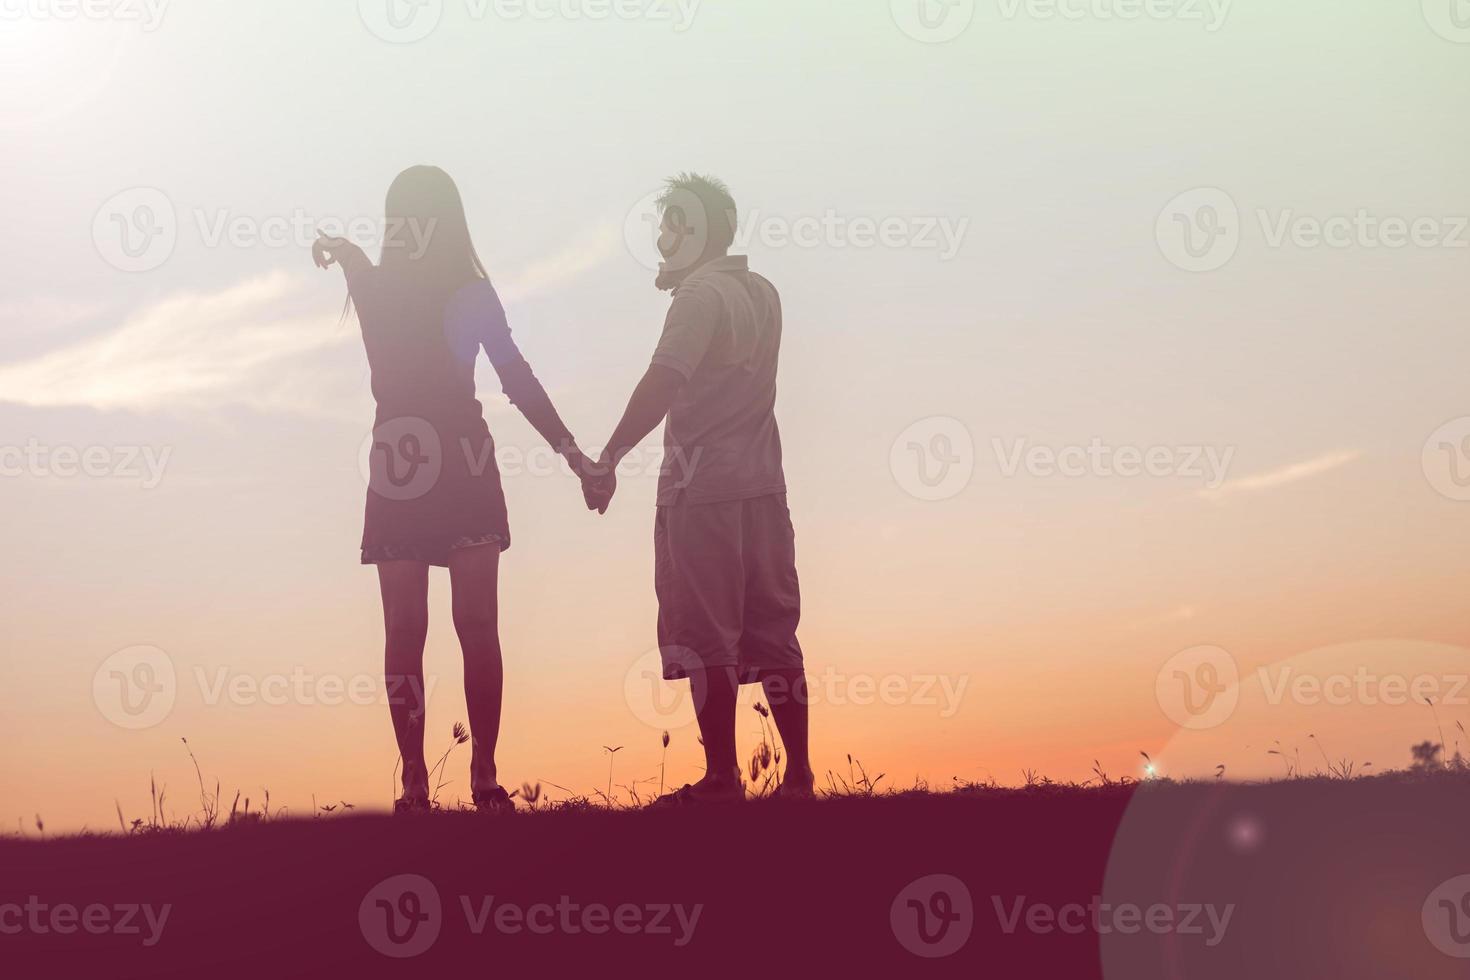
{"type": "Point", "coordinates": [496, 802]}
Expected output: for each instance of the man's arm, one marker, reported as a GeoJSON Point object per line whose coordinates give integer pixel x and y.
{"type": "Point", "coordinates": [649, 404]}
{"type": "Point", "coordinates": [647, 407]}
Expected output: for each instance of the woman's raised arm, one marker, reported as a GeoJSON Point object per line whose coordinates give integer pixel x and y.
{"type": "Point", "coordinates": [327, 252]}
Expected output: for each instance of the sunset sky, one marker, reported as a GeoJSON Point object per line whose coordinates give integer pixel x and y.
{"type": "Point", "coordinates": [1004, 255]}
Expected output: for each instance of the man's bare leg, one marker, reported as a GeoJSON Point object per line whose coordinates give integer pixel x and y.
{"type": "Point", "coordinates": [787, 694]}
{"type": "Point", "coordinates": [715, 691]}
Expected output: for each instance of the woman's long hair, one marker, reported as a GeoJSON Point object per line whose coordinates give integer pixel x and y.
{"type": "Point", "coordinates": [427, 237]}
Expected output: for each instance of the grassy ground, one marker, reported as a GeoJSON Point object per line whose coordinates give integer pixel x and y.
{"type": "Point", "coordinates": [1305, 878]}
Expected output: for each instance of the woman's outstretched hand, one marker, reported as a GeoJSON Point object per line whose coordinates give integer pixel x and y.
{"type": "Point", "coordinates": [327, 251]}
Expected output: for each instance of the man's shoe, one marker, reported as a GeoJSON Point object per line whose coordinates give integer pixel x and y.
{"type": "Point", "coordinates": [496, 802]}
{"type": "Point", "coordinates": [703, 793]}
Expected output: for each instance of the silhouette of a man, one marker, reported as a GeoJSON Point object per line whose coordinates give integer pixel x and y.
{"type": "Point", "coordinates": [725, 556]}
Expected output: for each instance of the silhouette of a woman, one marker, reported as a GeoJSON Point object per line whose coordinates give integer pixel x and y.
{"type": "Point", "coordinates": [434, 494]}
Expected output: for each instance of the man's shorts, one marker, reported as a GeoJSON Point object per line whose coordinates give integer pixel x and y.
{"type": "Point", "coordinates": [725, 574]}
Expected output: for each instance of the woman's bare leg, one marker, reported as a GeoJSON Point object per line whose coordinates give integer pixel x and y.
{"type": "Point", "coordinates": [474, 580]}
{"type": "Point", "coordinates": [405, 588]}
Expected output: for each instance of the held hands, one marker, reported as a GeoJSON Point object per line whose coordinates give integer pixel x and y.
{"type": "Point", "coordinates": [598, 492]}
{"type": "Point", "coordinates": [599, 480]}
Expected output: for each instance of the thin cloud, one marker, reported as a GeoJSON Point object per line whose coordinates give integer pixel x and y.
{"type": "Point", "coordinates": [186, 351]}
{"type": "Point", "coordinates": [585, 252]}
{"type": "Point", "coordinates": [1182, 614]}
{"type": "Point", "coordinates": [46, 313]}
{"type": "Point", "coordinates": [1286, 475]}
{"type": "Point", "coordinates": [265, 344]}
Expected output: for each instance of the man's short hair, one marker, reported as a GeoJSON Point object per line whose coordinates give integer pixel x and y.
{"type": "Point", "coordinates": [694, 193]}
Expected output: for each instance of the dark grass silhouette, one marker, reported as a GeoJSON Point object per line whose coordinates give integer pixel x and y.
{"type": "Point", "coordinates": [1327, 877]}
